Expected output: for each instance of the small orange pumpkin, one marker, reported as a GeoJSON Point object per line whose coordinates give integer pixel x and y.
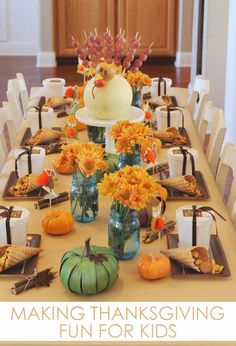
{"type": "Point", "coordinates": [57, 222]}
{"type": "Point", "coordinates": [152, 267]}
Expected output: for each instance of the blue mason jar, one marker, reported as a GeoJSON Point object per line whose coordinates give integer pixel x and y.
{"type": "Point", "coordinates": [130, 159]}
{"type": "Point", "coordinates": [124, 234]}
{"type": "Point", "coordinates": [84, 198]}
{"type": "Point", "coordinates": [137, 99]}
{"type": "Point", "coordinates": [96, 134]}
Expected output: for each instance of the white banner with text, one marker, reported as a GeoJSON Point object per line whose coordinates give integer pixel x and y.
{"type": "Point", "coordinates": [117, 322]}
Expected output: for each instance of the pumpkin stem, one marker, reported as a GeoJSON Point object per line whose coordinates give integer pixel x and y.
{"type": "Point", "coordinates": [87, 248]}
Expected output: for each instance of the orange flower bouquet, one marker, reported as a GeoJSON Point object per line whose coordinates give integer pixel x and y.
{"type": "Point", "coordinates": [130, 188]}
{"type": "Point", "coordinates": [84, 195]}
{"type": "Point", "coordinates": [137, 80]}
{"type": "Point", "coordinates": [132, 139]}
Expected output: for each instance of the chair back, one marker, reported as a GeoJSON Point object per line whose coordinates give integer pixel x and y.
{"type": "Point", "coordinates": [15, 103]}
{"type": "Point", "coordinates": [199, 108]}
{"type": "Point", "coordinates": [227, 161]}
{"type": "Point", "coordinates": [201, 86]}
{"type": "Point", "coordinates": [218, 130]}
{"type": "Point", "coordinates": [23, 91]}
{"type": "Point", "coordinates": [2, 157]}
{"type": "Point", "coordinates": [7, 130]}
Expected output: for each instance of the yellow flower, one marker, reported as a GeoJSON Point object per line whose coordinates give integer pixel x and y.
{"type": "Point", "coordinates": [131, 187]}
{"type": "Point", "coordinates": [107, 187]}
{"type": "Point", "coordinates": [127, 135]}
{"type": "Point", "coordinates": [123, 145]}
{"type": "Point", "coordinates": [118, 128]}
{"type": "Point", "coordinates": [88, 157]}
{"type": "Point", "coordinates": [137, 80]}
{"type": "Point", "coordinates": [87, 166]}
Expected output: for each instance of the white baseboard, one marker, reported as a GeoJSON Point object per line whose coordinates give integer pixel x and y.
{"type": "Point", "coordinates": [183, 59]}
{"type": "Point", "coordinates": [46, 59]}
{"type": "Point", "coordinates": [18, 48]}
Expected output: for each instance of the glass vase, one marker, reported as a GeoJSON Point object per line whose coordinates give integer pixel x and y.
{"type": "Point", "coordinates": [96, 134]}
{"type": "Point", "coordinates": [84, 198]}
{"type": "Point", "coordinates": [130, 159]}
{"type": "Point", "coordinates": [137, 99]}
{"type": "Point", "coordinates": [124, 233]}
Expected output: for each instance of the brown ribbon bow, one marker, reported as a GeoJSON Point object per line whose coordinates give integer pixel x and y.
{"type": "Point", "coordinates": [161, 79]}
{"type": "Point", "coordinates": [194, 223]}
{"type": "Point", "coordinates": [7, 214]}
{"type": "Point", "coordinates": [28, 151]}
{"type": "Point", "coordinates": [185, 152]}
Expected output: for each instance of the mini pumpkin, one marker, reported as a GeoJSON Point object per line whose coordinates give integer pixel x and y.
{"type": "Point", "coordinates": [89, 269]}
{"type": "Point", "coordinates": [57, 222]}
{"type": "Point", "coordinates": [152, 267]}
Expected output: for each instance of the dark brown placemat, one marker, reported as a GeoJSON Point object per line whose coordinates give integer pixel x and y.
{"type": "Point", "coordinates": [12, 179]}
{"type": "Point", "coordinates": [174, 195]}
{"type": "Point", "coordinates": [26, 267]}
{"type": "Point", "coordinates": [180, 271]}
{"type": "Point", "coordinates": [27, 135]}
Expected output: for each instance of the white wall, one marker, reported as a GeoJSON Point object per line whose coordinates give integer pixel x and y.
{"type": "Point", "coordinates": [215, 47]}
{"type": "Point", "coordinates": [184, 39]}
{"type": "Point", "coordinates": [19, 25]}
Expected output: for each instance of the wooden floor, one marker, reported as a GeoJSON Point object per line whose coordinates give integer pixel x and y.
{"type": "Point", "coordinates": [9, 66]}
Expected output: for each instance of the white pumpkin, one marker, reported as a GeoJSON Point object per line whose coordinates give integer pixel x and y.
{"type": "Point", "coordinates": [109, 102]}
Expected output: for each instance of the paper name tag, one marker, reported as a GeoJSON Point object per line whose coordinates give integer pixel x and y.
{"type": "Point", "coordinates": [189, 212]}
{"type": "Point", "coordinates": [16, 214]}
{"type": "Point", "coordinates": [176, 151]}
{"type": "Point", "coordinates": [35, 151]}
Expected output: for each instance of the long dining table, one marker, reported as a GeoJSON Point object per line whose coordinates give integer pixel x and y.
{"type": "Point", "coordinates": [130, 287]}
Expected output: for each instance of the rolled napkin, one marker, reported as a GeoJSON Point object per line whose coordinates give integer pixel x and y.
{"type": "Point", "coordinates": [24, 185]}
{"type": "Point", "coordinates": [170, 135]}
{"type": "Point", "coordinates": [11, 255]}
{"type": "Point", "coordinates": [44, 135]}
{"type": "Point", "coordinates": [185, 183]}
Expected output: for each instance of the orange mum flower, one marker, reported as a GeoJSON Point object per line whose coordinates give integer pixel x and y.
{"type": "Point", "coordinates": [131, 187]}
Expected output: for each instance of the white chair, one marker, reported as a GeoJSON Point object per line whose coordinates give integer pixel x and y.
{"type": "Point", "coordinates": [7, 127]}
{"type": "Point", "coordinates": [213, 117]}
{"type": "Point", "coordinates": [7, 139]}
{"type": "Point", "coordinates": [14, 99]}
{"type": "Point", "coordinates": [23, 91]}
{"type": "Point", "coordinates": [228, 161]}
{"type": "Point", "coordinates": [233, 214]}
{"type": "Point", "coordinates": [200, 86]}
{"type": "Point", "coordinates": [2, 157]}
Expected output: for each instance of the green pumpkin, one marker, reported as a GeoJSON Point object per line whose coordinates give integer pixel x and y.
{"type": "Point", "coordinates": [89, 269]}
